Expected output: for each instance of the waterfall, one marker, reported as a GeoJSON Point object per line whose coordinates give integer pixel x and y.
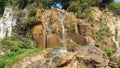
{"type": "Point", "coordinates": [63, 33]}
{"type": "Point", "coordinates": [48, 26]}
{"type": "Point", "coordinates": [6, 22]}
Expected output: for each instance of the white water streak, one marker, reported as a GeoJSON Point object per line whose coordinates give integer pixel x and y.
{"type": "Point", "coordinates": [62, 18]}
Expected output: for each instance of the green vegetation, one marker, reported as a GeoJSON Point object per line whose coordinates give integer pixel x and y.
{"type": "Point", "coordinates": [118, 62]}
{"type": "Point", "coordinates": [2, 5]}
{"type": "Point", "coordinates": [82, 8]}
{"type": "Point", "coordinates": [21, 4]}
{"type": "Point", "coordinates": [75, 45]}
{"type": "Point", "coordinates": [16, 43]}
{"type": "Point", "coordinates": [109, 51]}
{"type": "Point", "coordinates": [21, 43]}
{"type": "Point", "coordinates": [16, 48]}
{"type": "Point", "coordinates": [9, 58]}
{"type": "Point", "coordinates": [115, 7]}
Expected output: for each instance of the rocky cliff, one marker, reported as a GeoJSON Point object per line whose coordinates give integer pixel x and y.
{"type": "Point", "coordinates": [102, 31]}
{"type": "Point", "coordinates": [105, 23]}
{"type": "Point", "coordinates": [48, 31]}
{"type": "Point", "coordinates": [57, 28]}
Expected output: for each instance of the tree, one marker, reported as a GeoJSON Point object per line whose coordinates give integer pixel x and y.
{"type": "Point", "coordinates": [2, 6]}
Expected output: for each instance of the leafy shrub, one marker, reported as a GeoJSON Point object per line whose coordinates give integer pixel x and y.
{"type": "Point", "coordinates": [82, 10]}
{"type": "Point", "coordinates": [14, 43]}
{"type": "Point", "coordinates": [9, 44]}
{"type": "Point", "coordinates": [115, 7]}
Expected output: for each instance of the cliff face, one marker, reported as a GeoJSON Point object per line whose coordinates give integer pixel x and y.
{"type": "Point", "coordinates": [59, 28]}
{"type": "Point", "coordinates": [103, 31]}
{"type": "Point", "coordinates": [48, 29]}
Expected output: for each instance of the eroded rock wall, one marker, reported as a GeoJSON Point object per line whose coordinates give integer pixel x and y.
{"type": "Point", "coordinates": [49, 22]}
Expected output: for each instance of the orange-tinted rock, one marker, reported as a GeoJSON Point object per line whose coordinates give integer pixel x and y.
{"type": "Point", "coordinates": [53, 41]}
{"type": "Point", "coordinates": [48, 30]}
{"type": "Point", "coordinates": [66, 60]}
{"type": "Point", "coordinates": [39, 36]}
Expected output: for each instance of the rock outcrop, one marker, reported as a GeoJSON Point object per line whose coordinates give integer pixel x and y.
{"type": "Point", "coordinates": [47, 27]}
{"type": "Point", "coordinates": [85, 57]}
{"type": "Point", "coordinates": [7, 21]}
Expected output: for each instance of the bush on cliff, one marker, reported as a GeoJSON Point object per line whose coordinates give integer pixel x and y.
{"type": "Point", "coordinates": [109, 51]}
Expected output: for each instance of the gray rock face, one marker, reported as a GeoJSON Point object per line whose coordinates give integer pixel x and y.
{"type": "Point", "coordinates": [6, 22]}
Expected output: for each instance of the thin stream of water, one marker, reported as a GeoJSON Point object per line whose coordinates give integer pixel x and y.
{"type": "Point", "coordinates": [63, 40]}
